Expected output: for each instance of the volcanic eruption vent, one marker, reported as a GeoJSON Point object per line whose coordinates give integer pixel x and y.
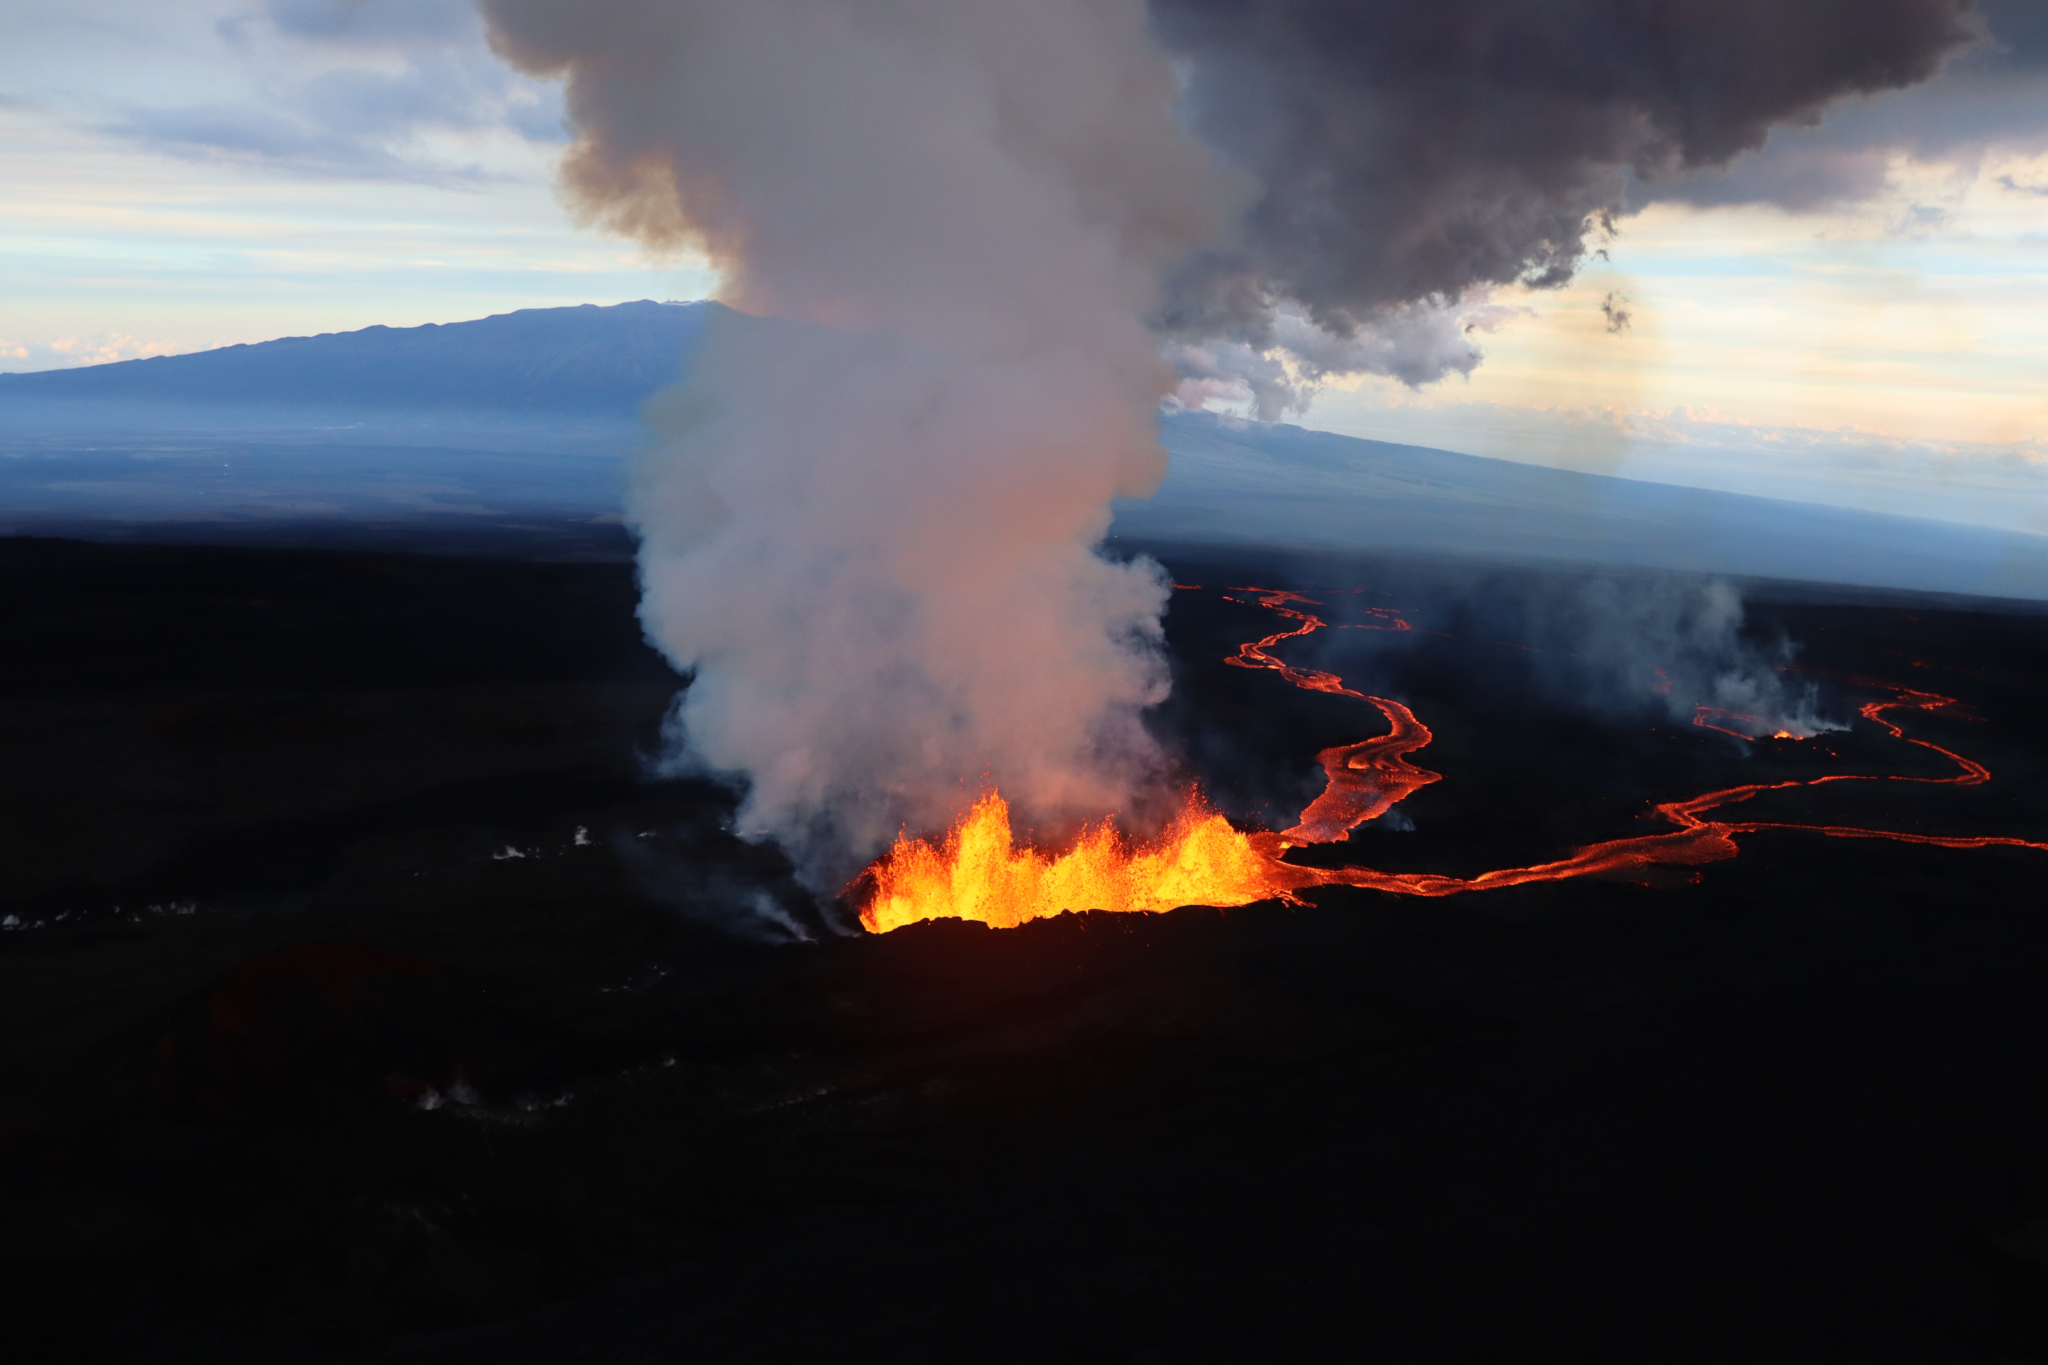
{"type": "Point", "coordinates": [869, 524]}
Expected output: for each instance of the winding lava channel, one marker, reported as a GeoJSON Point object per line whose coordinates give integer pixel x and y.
{"type": "Point", "coordinates": [978, 872]}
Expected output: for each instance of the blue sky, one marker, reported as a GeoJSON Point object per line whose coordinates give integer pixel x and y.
{"type": "Point", "coordinates": [186, 174]}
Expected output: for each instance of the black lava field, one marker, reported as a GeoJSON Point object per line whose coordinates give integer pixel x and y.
{"type": "Point", "coordinates": [363, 998]}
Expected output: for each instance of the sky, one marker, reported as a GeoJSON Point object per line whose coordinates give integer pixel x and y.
{"type": "Point", "coordinates": [1854, 316]}
{"type": "Point", "coordinates": [185, 174]}
{"type": "Point", "coordinates": [1891, 355]}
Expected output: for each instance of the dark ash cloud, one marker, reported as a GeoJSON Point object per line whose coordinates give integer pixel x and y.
{"type": "Point", "coordinates": [1411, 152]}
{"type": "Point", "coordinates": [1615, 307]}
{"type": "Point", "coordinates": [1990, 96]}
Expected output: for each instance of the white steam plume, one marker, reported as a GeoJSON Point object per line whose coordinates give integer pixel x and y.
{"type": "Point", "coordinates": [870, 532]}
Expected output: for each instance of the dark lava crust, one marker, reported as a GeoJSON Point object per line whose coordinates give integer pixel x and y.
{"type": "Point", "coordinates": [363, 1001]}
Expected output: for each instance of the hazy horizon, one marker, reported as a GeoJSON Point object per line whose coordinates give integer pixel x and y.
{"type": "Point", "coordinates": [1952, 482]}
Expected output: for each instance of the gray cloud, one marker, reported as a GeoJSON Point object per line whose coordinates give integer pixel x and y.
{"type": "Point", "coordinates": [1411, 153]}
{"type": "Point", "coordinates": [252, 133]}
{"type": "Point", "coordinates": [1991, 96]}
{"type": "Point", "coordinates": [282, 139]}
{"type": "Point", "coordinates": [1416, 343]}
{"type": "Point", "coordinates": [348, 88]}
{"type": "Point", "coordinates": [2019, 31]}
{"type": "Point", "coordinates": [374, 23]}
{"type": "Point", "coordinates": [1615, 307]}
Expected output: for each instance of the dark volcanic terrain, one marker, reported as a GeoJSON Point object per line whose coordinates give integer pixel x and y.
{"type": "Point", "coordinates": [360, 998]}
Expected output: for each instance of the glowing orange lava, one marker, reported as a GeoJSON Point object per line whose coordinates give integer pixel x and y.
{"type": "Point", "coordinates": [1739, 725]}
{"type": "Point", "coordinates": [978, 872]}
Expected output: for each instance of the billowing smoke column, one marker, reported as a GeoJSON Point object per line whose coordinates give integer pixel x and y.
{"type": "Point", "coordinates": [959, 232]}
{"type": "Point", "coordinates": [869, 532]}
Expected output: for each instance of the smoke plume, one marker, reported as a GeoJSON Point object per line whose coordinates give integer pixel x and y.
{"type": "Point", "coordinates": [1671, 644]}
{"type": "Point", "coordinates": [957, 232]}
{"type": "Point", "coordinates": [869, 518]}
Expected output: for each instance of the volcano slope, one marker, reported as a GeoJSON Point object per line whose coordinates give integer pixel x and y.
{"type": "Point", "coordinates": [362, 1001]}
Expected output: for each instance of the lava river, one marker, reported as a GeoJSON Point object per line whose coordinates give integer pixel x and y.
{"type": "Point", "coordinates": [978, 871]}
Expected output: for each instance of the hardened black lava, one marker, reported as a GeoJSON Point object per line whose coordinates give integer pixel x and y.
{"type": "Point", "coordinates": [362, 998]}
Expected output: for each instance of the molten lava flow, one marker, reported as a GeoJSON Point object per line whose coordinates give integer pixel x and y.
{"type": "Point", "coordinates": [1740, 725]}
{"type": "Point", "coordinates": [979, 873]}
{"type": "Point", "coordinates": [1365, 781]}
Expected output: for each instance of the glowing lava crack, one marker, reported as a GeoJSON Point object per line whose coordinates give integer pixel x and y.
{"type": "Point", "coordinates": [978, 872]}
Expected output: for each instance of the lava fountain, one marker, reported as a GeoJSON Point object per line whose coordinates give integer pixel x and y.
{"type": "Point", "coordinates": [978, 871]}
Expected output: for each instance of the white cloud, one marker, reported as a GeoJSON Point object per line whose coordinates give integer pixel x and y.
{"type": "Point", "coordinates": [1416, 344]}
{"type": "Point", "coordinates": [63, 353]}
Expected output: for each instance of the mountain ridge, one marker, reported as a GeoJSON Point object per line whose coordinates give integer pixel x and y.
{"type": "Point", "coordinates": [1251, 484]}
{"type": "Point", "coordinates": [585, 359]}
{"type": "Point", "coordinates": [518, 419]}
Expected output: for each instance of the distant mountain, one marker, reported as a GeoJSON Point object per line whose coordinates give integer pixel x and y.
{"type": "Point", "coordinates": [586, 361]}
{"type": "Point", "coordinates": [515, 422]}
{"type": "Point", "coordinates": [1255, 484]}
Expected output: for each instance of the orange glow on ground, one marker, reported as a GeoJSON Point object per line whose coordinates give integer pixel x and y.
{"type": "Point", "coordinates": [979, 872]}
